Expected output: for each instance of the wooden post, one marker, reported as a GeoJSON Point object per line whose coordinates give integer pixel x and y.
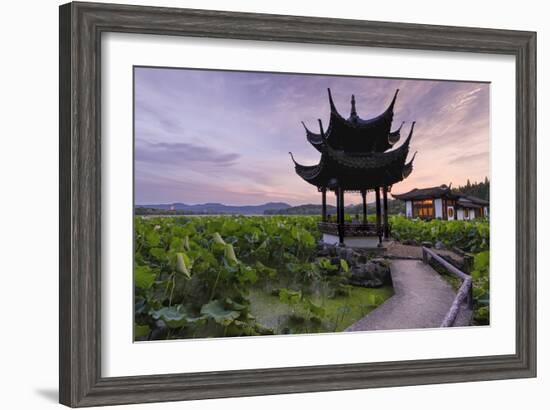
{"type": "Point", "coordinates": [364, 196]}
{"type": "Point", "coordinates": [337, 195]}
{"type": "Point", "coordinates": [386, 223]}
{"type": "Point", "coordinates": [324, 204]}
{"type": "Point", "coordinates": [424, 256]}
{"type": "Point", "coordinates": [378, 215]}
{"type": "Point", "coordinates": [342, 206]}
{"type": "Point", "coordinates": [340, 214]}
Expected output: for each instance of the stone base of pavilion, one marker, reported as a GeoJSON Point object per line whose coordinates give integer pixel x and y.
{"type": "Point", "coordinates": [354, 235]}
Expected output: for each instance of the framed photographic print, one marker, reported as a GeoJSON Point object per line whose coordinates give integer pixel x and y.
{"type": "Point", "coordinates": [283, 203]}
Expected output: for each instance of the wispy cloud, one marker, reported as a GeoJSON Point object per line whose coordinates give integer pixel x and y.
{"type": "Point", "coordinates": [470, 158]}
{"type": "Point", "coordinates": [182, 154]}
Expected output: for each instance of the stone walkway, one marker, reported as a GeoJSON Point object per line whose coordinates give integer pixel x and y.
{"type": "Point", "coordinates": [422, 299]}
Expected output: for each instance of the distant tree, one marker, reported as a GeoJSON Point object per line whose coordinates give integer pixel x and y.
{"type": "Point", "coordinates": [141, 211]}
{"type": "Point", "coordinates": [477, 189]}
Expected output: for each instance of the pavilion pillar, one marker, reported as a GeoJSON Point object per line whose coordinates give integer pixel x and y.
{"type": "Point", "coordinates": [364, 196]}
{"type": "Point", "coordinates": [340, 214]}
{"type": "Point", "coordinates": [324, 204]}
{"type": "Point", "coordinates": [378, 214]}
{"type": "Point", "coordinates": [386, 224]}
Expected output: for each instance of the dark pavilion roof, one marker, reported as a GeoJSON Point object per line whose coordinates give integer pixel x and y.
{"type": "Point", "coordinates": [354, 151]}
{"type": "Point", "coordinates": [443, 191]}
{"type": "Point", "coordinates": [355, 134]}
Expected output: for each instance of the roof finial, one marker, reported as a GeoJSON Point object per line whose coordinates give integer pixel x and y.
{"type": "Point", "coordinates": [321, 128]}
{"type": "Point", "coordinates": [353, 110]}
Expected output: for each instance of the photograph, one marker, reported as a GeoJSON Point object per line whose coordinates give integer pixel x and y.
{"type": "Point", "coordinates": [273, 203]}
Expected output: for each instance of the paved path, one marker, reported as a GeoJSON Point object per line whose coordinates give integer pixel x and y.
{"type": "Point", "coordinates": [422, 299]}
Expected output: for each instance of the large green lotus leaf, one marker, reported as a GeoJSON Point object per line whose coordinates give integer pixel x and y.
{"type": "Point", "coordinates": [307, 239]}
{"type": "Point", "coordinates": [263, 245]}
{"type": "Point", "coordinates": [158, 253]}
{"type": "Point", "coordinates": [176, 244]}
{"type": "Point", "coordinates": [476, 274]}
{"type": "Point", "coordinates": [174, 316]}
{"type": "Point", "coordinates": [344, 265]}
{"type": "Point", "coordinates": [144, 276]}
{"type": "Point", "coordinates": [295, 232]}
{"type": "Point", "coordinates": [265, 270]}
{"type": "Point", "coordinates": [185, 230]}
{"type": "Point", "coordinates": [152, 238]}
{"type": "Point", "coordinates": [481, 261]}
{"type": "Point", "coordinates": [315, 309]}
{"type": "Point", "coordinates": [217, 311]}
{"type": "Point", "coordinates": [230, 226]}
{"type": "Point", "coordinates": [289, 296]}
{"type": "Point", "coordinates": [247, 274]}
{"type": "Point", "coordinates": [183, 264]}
{"type": "Point", "coordinates": [141, 330]}
{"type": "Point", "coordinates": [325, 263]}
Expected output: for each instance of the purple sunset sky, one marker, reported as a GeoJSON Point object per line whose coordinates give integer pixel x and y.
{"type": "Point", "coordinates": [221, 136]}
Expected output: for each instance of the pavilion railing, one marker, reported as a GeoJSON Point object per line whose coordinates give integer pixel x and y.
{"type": "Point", "coordinates": [351, 229]}
{"type": "Point", "coordinates": [464, 292]}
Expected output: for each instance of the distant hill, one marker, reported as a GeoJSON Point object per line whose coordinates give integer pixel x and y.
{"type": "Point", "coordinates": [208, 208]}
{"type": "Point", "coordinates": [307, 209]}
{"type": "Point", "coordinates": [394, 207]}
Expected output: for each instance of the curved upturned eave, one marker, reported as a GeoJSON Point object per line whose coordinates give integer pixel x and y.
{"type": "Point", "coordinates": [395, 136]}
{"type": "Point", "coordinates": [408, 168]}
{"type": "Point", "coordinates": [307, 172]}
{"type": "Point", "coordinates": [318, 145]}
{"type": "Point", "coordinates": [333, 110]}
{"type": "Point", "coordinates": [316, 140]}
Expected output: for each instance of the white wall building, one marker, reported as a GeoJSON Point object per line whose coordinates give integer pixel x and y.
{"type": "Point", "coordinates": [442, 203]}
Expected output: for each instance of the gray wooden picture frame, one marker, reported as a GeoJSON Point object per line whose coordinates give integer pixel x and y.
{"type": "Point", "coordinates": [81, 27]}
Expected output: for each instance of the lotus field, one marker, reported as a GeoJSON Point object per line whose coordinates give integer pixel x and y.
{"type": "Point", "coordinates": [223, 276]}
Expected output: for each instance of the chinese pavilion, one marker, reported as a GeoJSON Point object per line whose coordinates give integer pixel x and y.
{"type": "Point", "coordinates": [357, 156]}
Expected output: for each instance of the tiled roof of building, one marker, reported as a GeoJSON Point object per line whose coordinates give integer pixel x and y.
{"type": "Point", "coordinates": [442, 191]}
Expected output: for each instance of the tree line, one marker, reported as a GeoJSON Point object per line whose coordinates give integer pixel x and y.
{"type": "Point", "coordinates": [477, 189]}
